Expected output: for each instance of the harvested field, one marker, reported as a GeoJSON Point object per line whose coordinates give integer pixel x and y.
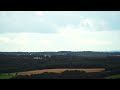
{"type": "Point", "coordinates": [60, 70]}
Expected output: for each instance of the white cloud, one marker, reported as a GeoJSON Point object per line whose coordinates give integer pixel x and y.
{"type": "Point", "coordinates": [89, 34]}
{"type": "Point", "coordinates": [83, 36]}
{"type": "Point", "coordinates": [79, 40]}
{"type": "Point", "coordinates": [39, 13]}
{"type": "Point", "coordinates": [4, 40]}
{"type": "Point", "coordinates": [44, 41]}
{"type": "Point", "coordinates": [85, 24]}
{"type": "Point", "coordinates": [93, 24]}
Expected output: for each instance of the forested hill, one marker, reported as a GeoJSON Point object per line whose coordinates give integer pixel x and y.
{"type": "Point", "coordinates": [79, 53]}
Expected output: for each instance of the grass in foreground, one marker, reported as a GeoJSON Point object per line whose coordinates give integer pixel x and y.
{"type": "Point", "coordinates": [7, 75]}
{"type": "Point", "coordinates": [113, 77]}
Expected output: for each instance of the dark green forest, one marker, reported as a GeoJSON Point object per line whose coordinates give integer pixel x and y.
{"type": "Point", "coordinates": [19, 62]}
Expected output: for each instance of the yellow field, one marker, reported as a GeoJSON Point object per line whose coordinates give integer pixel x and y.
{"type": "Point", "coordinates": [60, 70]}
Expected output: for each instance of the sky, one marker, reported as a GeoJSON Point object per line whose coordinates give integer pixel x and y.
{"type": "Point", "coordinates": [36, 31]}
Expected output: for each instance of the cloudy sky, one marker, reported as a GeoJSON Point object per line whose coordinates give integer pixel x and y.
{"type": "Point", "coordinates": [59, 30]}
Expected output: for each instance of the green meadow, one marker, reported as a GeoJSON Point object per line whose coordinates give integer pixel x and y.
{"type": "Point", "coordinates": [113, 77]}
{"type": "Point", "coordinates": [7, 75]}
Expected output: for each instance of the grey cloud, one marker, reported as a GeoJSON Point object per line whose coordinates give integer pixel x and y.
{"type": "Point", "coordinates": [19, 22]}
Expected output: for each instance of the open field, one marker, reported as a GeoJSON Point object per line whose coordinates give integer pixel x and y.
{"type": "Point", "coordinates": [11, 75]}
{"type": "Point", "coordinates": [60, 70]}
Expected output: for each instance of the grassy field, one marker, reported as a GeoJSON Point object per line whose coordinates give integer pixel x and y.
{"type": "Point", "coordinates": [113, 77]}
{"type": "Point", "coordinates": [60, 70]}
{"type": "Point", "coordinates": [7, 75]}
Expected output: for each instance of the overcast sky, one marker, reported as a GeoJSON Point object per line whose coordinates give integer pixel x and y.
{"type": "Point", "coordinates": [59, 30]}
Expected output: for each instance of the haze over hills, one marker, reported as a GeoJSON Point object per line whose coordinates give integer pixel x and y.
{"type": "Point", "coordinates": [71, 53]}
{"type": "Point", "coordinates": [115, 51]}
